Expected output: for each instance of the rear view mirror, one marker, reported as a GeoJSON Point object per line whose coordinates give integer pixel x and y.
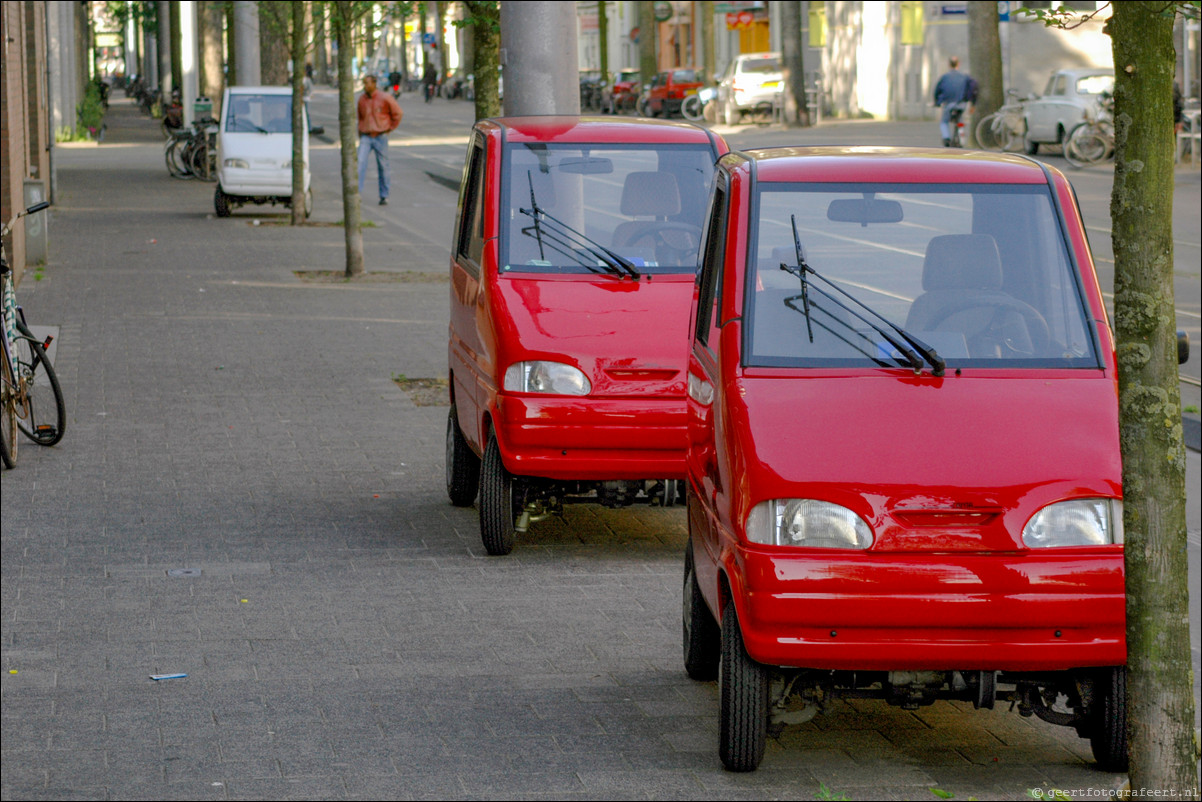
{"type": "Point", "coordinates": [864, 211]}
{"type": "Point", "coordinates": [586, 166]}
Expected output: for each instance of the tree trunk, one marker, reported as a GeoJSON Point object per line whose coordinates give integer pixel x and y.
{"type": "Point", "coordinates": [706, 9]}
{"type": "Point", "coordinates": [273, 43]}
{"type": "Point", "coordinates": [298, 113]}
{"type": "Point", "coordinates": [177, 54]}
{"type": "Point", "coordinates": [321, 66]}
{"type": "Point", "coordinates": [440, 11]}
{"type": "Point", "coordinates": [486, 31]}
{"type": "Point", "coordinates": [343, 20]}
{"type": "Point", "coordinates": [985, 59]}
{"type": "Point", "coordinates": [212, 81]}
{"type": "Point", "coordinates": [603, 39]}
{"type": "Point", "coordinates": [1160, 702]}
{"type": "Point", "coordinates": [796, 112]}
{"type": "Point", "coordinates": [648, 30]}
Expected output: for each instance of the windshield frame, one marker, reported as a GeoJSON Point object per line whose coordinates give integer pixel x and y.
{"type": "Point", "coordinates": [506, 227]}
{"type": "Point", "coordinates": [1075, 287]}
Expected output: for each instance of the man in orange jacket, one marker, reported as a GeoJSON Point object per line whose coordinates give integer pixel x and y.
{"type": "Point", "coordinates": [379, 115]}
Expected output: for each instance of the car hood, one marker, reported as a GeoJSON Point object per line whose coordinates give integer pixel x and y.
{"type": "Point", "coordinates": [629, 337]}
{"type": "Point", "coordinates": [963, 462]}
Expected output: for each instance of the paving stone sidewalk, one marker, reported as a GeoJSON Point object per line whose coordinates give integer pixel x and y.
{"type": "Point", "coordinates": [244, 496]}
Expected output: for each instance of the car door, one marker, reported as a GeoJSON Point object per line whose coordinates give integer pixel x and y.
{"type": "Point", "coordinates": [703, 379]}
{"type": "Point", "coordinates": [466, 359]}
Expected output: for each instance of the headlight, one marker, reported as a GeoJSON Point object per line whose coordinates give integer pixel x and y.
{"type": "Point", "coordinates": [1080, 522]}
{"type": "Point", "coordinates": [242, 163]}
{"type": "Point", "coordinates": [806, 522]}
{"type": "Point", "coordinates": [555, 378]}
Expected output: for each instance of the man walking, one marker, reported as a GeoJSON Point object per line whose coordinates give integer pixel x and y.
{"type": "Point", "coordinates": [954, 91]}
{"type": "Point", "coordinates": [379, 115]}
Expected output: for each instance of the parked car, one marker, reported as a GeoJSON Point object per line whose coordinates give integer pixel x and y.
{"type": "Point", "coordinates": [1070, 98]}
{"type": "Point", "coordinates": [668, 91]}
{"type": "Point", "coordinates": [750, 79]}
{"type": "Point", "coordinates": [572, 268]}
{"type": "Point", "coordinates": [254, 149]}
{"type": "Point", "coordinates": [903, 465]}
{"type": "Point", "coordinates": [624, 94]}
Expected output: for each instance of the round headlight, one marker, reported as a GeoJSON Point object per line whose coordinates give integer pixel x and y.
{"type": "Point", "coordinates": [807, 522]}
{"type": "Point", "coordinates": [554, 378]}
{"type": "Point", "coordinates": [1079, 522]}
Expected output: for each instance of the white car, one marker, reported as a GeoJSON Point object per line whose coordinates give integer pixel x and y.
{"type": "Point", "coordinates": [254, 149]}
{"type": "Point", "coordinates": [1070, 98]}
{"type": "Point", "coordinates": [750, 79]}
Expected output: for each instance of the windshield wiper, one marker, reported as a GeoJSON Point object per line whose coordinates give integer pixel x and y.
{"type": "Point", "coordinates": [560, 233]}
{"type": "Point", "coordinates": [937, 363]}
{"type": "Point", "coordinates": [814, 306]}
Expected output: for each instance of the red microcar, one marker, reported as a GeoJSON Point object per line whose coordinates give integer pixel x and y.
{"type": "Point", "coordinates": [572, 275]}
{"type": "Point", "coordinates": [903, 461]}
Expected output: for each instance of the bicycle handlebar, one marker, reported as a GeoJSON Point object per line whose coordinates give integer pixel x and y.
{"type": "Point", "coordinates": [37, 207]}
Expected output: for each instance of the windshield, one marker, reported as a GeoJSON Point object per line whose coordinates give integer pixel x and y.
{"type": "Point", "coordinates": [979, 273]}
{"type": "Point", "coordinates": [643, 202]}
{"type": "Point", "coordinates": [259, 114]}
{"type": "Point", "coordinates": [1095, 85]}
{"type": "Point", "coordinates": [761, 65]}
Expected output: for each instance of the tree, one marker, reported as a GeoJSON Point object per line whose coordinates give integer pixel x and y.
{"type": "Point", "coordinates": [648, 27]}
{"type": "Point", "coordinates": [212, 52]}
{"type": "Point", "coordinates": [1160, 700]}
{"type": "Point", "coordinates": [298, 113]}
{"type": "Point", "coordinates": [796, 112]}
{"type": "Point", "coordinates": [274, 26]}
{"type": "Point", "coordinates": [985, 57]}
{"type": "Point", "coordinates": [344, 16]}
{"type": "Point", "coordinates": [485, 18]}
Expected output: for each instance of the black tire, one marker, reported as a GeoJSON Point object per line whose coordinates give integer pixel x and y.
{"type": "Point", "coordinates": [743, 685]}
{"type": "Point", "coordinates": [1108, 731]}
{"type": "Point", "coordinates": [8, 415]}
{"type": "Point", "coordinates": [1029, 146]}
{"type": "Point", "coordinates": [498, 504]}
{"type": "Point", "coordinates": [46, 420]}
{"type": "Point", "coordinates": [201, 162]}
{"type": "Point", "coordinates": [702, 636]}
{"type": "Point", "coordinates": [173, 154]}
{"type": "Point", "coordinates": [463, 466]}
{"type": "Point", "coordinates": [221, 202]}
{"type": "Point", "coordinates": [308, 203]}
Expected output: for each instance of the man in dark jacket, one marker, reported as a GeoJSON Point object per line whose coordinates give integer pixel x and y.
{"type": "Point", "coordinates": [955, 90]}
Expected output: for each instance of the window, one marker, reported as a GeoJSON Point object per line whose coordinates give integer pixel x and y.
{"type": "Point", "coordinates": [981, 273]}
{"type": "Point", "coordinates": [259, 114]}
{"type": "Point", "coordinates": [713, 249]}
{"type": "Point", "coordinates": [471, 225]}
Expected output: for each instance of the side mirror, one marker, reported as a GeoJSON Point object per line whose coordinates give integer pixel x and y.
{"type": "Point", "coordinates": [1182, 347]}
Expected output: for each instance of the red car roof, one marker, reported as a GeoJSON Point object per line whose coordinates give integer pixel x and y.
{"type": "Point", "coordinates": [599, 129]}
{"type": "Point", "coordinates": [901, 165]}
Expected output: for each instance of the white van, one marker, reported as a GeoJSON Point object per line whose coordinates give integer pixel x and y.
{"type": "Point", "coordinates": [254, 149]}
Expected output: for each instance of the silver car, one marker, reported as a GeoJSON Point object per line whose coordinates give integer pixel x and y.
{"type": "Point", "coordinates": [1070, 98]}
{"type": "Point", "coordinates": [750, 79]}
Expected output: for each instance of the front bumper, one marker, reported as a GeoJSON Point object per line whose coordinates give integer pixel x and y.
{"type": "Point", "coordinates": [591, 439]}
{"type": "Point", "coordinates": [933, 611]}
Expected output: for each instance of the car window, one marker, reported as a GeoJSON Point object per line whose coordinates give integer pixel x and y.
{"type": "Point", "coordinates": [471, 231]}
{"type": "Point", "coordinates": [981, 273]}
{"type": "Point", "coordinates": [685, 76]}
{"type": "Point", "coordinates": [760, 65]}
{"type": "Point", "coordinates": [267, 114]}
{"type": "Point", "coordinates": [1095, 85]}
{"type": "Point", "coordinates": [644, 202]}
{"type": "Point", "coordinates": [713, 247]}
{"type": "Point", "coordinates": [1059, 85]}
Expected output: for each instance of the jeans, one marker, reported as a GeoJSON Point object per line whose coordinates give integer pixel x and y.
{"type": "Point", "coordinates": [379, 146]}
{"type": "Point", "coordinates": [945, 124]}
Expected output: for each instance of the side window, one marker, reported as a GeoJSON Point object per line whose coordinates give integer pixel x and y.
{"type": "Point", "coordinates": [471, 232]}
{"type": "Point", "coordinates": [712, 252]}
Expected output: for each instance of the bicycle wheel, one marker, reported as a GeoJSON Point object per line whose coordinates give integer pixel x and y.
{"type": "Point", "coordinates": [177, 164]}
{"type": "Point", "coordinates": [45, 418]}
{"type": "Point", "coordinates": [987, 135]}
{"type": "Point", "coordinates": [8, 410]}
{"type": "Point", "coordinates": [1085, 146]}
{"type": "Point", "coordinates": [200, 162]}
{"type": "Point", "coordinates": [692, 108]}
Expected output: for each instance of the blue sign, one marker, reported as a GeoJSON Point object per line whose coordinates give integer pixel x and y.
{"type": "Point", "coordinates": [429, 39]}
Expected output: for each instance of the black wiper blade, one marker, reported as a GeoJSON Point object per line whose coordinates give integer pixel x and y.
{"type": "Point", "coordinates": [615, 262]}
{"type": "Point", "coordinates": [548, 240]}
{"type": "Point", "coordinates": [814, 306]}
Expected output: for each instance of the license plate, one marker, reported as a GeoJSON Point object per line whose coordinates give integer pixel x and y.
{"type": "Point", "coordinates": [771, 84]}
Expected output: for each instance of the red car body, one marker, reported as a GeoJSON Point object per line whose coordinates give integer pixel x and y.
{"type": "Point", "coordinates": [944, 468]}
{"type": "Point", "coordinates": [524, 301]}
{"type": "Point", "coordinates": [668, 90]}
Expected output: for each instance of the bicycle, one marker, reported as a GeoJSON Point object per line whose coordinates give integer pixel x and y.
{"type": "Point", "coordinates": [956, 125]}
{"type": "Point", "coordinates": [193, 153]}
{"type": "Point", "coordinates": [1092, 141]}
{"type": "Point", "coordinates": [31, 399]}
{"type": "Point", "coordinates": [1004, 129]}
{"type": "Point", "coordinates": [693, 108]}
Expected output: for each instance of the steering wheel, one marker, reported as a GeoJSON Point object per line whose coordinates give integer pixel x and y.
{"type": "Point", "coordinates": [680, 240]}
{"type": "Point", "coordinates": [1001, 329]}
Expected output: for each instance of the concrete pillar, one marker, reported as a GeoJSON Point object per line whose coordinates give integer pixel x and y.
{"type": "Point", "coordinates": [246, 42]}
{"type": "Point", "coordinates": [60, 53]}
{"type": "Point", "coordinates": [189, 61]}
{"type": "Point", "coordinates": [538, 51]}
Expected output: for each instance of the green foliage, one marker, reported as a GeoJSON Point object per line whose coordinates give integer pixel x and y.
{"type": "Point", "coordinates": [827, 795]}
{"type": "Point", "coordinates": [482, 13]}
{"type": "Point", "coordinates": [942, 794]}
{"type": "Point", "coordinates": [90, 112]}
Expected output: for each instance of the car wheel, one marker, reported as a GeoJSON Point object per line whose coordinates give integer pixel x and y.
{"type": "Point", "coordinates": [1031, 147]}
{"type": "Point", "coordinates": [1108, 733]}
{"type": "Point", "coordinates": [308, 203]}
{"type": "Point", "coordinates": [743, 687]}
{"type": "Point", "coordinates": [221, 202]}
{"type": "Point", "coordinates": [498, 502]}
{"type": "Point", "coordinates": [730, 113]}
{"type": "Point", "coordinates": [702, 636]}
{"type": "Point", "coordinates": [463, 466]}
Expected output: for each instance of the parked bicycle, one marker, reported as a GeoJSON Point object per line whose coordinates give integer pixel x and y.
{"type": "Point", "coordinates": [193, 153]}
{"type": "Point", "coordinates": [1092, 141]}
{"type": "Point", "coordinates": [1003, 130]}
{"type": "Point", "coordinates": [31, 400]}
{"type": "Point", "coordinates": [693, 107]}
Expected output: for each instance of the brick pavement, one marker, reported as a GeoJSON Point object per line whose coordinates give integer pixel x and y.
{"type": "Point", "coordinates": [343, 634]}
